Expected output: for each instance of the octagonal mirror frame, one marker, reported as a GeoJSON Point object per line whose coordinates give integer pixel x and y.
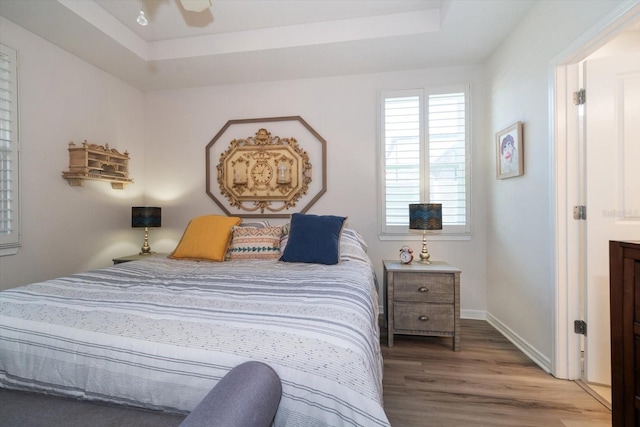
{"type": "Point", "coordinates": [318, 154]}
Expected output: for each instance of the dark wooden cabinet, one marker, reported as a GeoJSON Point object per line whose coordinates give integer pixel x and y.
{"type": "Point", "coordinates": [624, 262]}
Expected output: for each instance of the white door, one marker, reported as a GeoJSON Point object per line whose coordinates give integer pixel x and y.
{"type": "Point", "coordinates": [612, 138]}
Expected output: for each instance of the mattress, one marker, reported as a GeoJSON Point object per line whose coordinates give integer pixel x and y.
{"type": "Point", "coordinates": [160, 333]}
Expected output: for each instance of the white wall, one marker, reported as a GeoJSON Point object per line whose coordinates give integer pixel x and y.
{"type": "Point", "coordinates": [69, 229]}
{"type": "Point", "coordinates": [520, 217]}
{"type": "Point", "coordinates": [343, 110]}
{"type": "Point", "coordinates": [62, 98]}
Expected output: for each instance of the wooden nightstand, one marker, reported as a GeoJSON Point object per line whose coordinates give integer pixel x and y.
{"type": "Point", "coordinates": [137, 257]}
{"type": "Point", "coordinates": [422, 299]}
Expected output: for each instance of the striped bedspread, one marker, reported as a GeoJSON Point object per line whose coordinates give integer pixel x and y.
{"type": "Point", "coordinates": [161, 333]}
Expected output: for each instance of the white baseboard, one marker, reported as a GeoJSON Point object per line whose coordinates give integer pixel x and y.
{"type": "Point", "coordinates": [539, 358]}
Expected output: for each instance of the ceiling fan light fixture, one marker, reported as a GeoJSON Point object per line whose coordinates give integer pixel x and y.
{"type": "Point", "coordinates": [195, 5]}
{"type": "Point", "coordinates": [141, 19]}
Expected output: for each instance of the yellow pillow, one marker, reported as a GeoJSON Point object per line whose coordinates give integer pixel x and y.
{"type": "Point", "coordinates": [206, 238]}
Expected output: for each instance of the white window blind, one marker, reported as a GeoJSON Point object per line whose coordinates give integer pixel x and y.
{"type": "Point", "coordinates": [426, 152]}
{"type": "Point", "coordinates": [9, 197]}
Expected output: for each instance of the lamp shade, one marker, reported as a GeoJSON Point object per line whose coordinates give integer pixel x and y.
{"type": "Point", "coordinates": [425, 216]}
{"type": "Point", "coordinates": [145, 216]}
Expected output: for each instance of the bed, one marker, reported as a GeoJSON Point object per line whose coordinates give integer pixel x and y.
{"type": "Point", "coordinates": [160, 333]}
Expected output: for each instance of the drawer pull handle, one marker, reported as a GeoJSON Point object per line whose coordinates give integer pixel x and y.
{"type": "Point", "coordinates": [423, 318]}
{"type": "Point", "coordinates": [423, 289]}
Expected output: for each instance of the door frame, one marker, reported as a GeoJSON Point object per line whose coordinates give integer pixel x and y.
{"type": "Point", "coordinates": [565, 176]}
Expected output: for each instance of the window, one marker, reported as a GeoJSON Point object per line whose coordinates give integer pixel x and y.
{"type": "Point", "coordinates": [9, 197]}
{"type": "Point", "coordinates": [425, 156]}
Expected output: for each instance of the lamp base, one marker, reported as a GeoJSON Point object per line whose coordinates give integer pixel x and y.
{"type": "Point", "coordinates": [146, 249]}
{"type": "Point", "coordinates": [424, 255]}
{"type": "Point", "coordinates": [424, 258]}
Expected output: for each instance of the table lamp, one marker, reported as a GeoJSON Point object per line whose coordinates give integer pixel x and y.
{"type": "Point", "coordinates": [425, 216]}
{"type": "Point", "coordinates": [145, 216]}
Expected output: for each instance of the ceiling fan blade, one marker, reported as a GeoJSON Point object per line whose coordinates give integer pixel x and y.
{"type": "Point", "coordinates": [195, 5]}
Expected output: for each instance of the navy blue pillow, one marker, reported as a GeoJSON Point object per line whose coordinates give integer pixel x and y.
{"type": "Point", "coordinates": [314, 239]}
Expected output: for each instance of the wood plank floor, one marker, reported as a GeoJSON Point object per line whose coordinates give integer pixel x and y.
{"type": "Point", "coordinates": [488, 383]}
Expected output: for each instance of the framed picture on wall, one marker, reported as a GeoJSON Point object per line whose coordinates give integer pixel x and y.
{"type": "Point", "coordinates": [251, 172]}
{"type": "Point", "coordinates": [509, 152]}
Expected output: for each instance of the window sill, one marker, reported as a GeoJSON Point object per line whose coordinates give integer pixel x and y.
{"type": "Point", "coordinates": [430, 237]}
{"type": "Point", "coordinates": [9, 251]}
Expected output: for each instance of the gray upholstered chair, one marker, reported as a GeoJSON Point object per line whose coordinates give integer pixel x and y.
{"type": "Point", "coordinates": [247, 396]}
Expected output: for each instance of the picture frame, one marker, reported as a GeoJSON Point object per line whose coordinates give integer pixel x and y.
{"type": "Point", "coordinates": [509, 152]}
{"type": "Point", "coordinates": [266, 167]}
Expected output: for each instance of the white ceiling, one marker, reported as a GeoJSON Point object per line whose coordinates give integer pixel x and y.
{"type": "Point", "coordinates": [242, 41]}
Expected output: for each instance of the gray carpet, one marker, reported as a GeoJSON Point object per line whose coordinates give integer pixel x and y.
{"type": "Point", "coordinates": [18, 408]}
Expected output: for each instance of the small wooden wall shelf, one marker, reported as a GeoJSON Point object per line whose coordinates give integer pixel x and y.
{"type": "Point", "coordinates": [91, 161]}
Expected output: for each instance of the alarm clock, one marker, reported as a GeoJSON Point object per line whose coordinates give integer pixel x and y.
{"type": "Point", "coordinates": [406, 255]}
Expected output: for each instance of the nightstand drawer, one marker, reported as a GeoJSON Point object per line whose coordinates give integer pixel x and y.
{"type": "Point", "coordinates": [424, 317]}
{"type": "Point", "coordinates": [416, 287]}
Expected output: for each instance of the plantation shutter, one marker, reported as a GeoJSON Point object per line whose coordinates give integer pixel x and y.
{"type": "Point", "coordinates": [9, 223]}
{"type": "Point", "coordinates": [425, 147]}
{"type": "Point", "coordinates": [447, 156]}
{"type": "Point", "coordinates": [402, 136]}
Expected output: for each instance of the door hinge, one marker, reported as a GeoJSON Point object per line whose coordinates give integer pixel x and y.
{"type": "Point", "coordinates": [579, 97]}
{"type": "Point", "coordinates": [580, 327]}
{"type": "Point", "coordinates": [579, 212]}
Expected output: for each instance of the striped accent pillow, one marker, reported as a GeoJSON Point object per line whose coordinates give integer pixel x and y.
{"type": "Point", "coordinates": [255, 243]}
